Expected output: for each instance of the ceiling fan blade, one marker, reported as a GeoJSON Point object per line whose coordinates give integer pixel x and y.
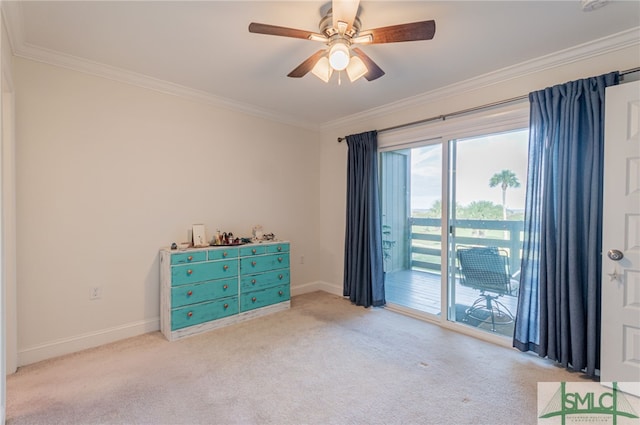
{"type": "Point", "coordinates": [373, 70]}
{"type": "Point", "coordinates": [282, 31]}
{"type": "Point", "coordinates": [306, 66]}
{"type": "Point", "coordinates": [344, 11]}
{"type": "Point", "coordinates": [424, 30]}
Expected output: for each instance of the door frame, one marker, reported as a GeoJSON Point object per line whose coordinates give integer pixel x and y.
{"type": "Point", "coordinates": [491, 120]}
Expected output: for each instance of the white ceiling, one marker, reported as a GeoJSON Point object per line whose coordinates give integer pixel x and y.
{"type": "Point", "coordinates": [204, 48]}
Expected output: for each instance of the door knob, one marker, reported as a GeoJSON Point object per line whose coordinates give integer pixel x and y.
{"type": "Point", "coordinates": [615, 255]}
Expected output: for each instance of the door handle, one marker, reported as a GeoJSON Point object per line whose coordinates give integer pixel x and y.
{"type": "Point", "coordinates": [615, 254]}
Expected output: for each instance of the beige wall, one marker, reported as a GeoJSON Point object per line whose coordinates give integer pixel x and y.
{"type": "Point", "coordinates": [107, 173]}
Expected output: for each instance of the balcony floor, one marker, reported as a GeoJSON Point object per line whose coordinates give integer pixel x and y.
{"type": "Point", "coordinates": [420, 290]}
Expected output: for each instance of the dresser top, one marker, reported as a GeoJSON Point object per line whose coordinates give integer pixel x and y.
{"type": "Point", "coordinates": [206, 248]}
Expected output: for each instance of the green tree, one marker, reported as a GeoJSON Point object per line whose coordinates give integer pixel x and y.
{"type": "Point", "coordinates": [481, 210]}
{"type": "Point", "coordinates": [436, 209]}
{"type": "Point", "coordinates": [505, 179]}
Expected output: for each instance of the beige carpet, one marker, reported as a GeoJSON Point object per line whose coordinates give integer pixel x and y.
{"type": "Point", "coordinates": [323, 361]}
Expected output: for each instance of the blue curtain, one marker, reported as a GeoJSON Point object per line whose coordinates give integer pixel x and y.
{"type": "Point", "coordinates": [559, 303]}
{"type": "Point", "coordinates": [363, 273]}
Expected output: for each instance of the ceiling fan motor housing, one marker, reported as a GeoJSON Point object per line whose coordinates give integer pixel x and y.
{"type": "Point", "coordinates": [327, 28]}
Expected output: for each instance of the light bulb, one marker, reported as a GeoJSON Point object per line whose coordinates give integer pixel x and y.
{"type": "Point", "coordinates": [339, 56]}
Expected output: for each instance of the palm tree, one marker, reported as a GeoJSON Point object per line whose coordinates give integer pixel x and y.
{"type": "Point", "coordinates": [505, 179]}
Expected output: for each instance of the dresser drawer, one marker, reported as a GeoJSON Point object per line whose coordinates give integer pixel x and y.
{"type": "Point", "coordinates": [204, 312]}
{"type": "Point", "coordinates": [280, 247]}
{"type": "Point", "coordinates": [263, 280]}
{"type": "Point", "coordinates": [252, 250]}
{"type": "Point", "coordinates": [264, 263]}
{"type": "Point", "coordinates": [200, 272]}
{"type": "Point", "coordinates": [210, 287]}
{"type": "Point", "coordinates": [263, 298]}
{"type": "Point", "coordinates": [206, 291]}
{"type": "Point", "coordinates": [188, 257]}
{"type": "Point", "coordinates": [222, 253]}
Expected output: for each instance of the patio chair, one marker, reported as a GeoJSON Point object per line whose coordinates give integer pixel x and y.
{"type": "Point", "coordinates": [487, 270]}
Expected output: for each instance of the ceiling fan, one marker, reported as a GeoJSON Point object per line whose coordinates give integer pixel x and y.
{"type": "Point", "coordinates": [340, 30]}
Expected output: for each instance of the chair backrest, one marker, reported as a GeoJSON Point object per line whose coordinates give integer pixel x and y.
{"type": "Point", "coordinates": [486, 269]}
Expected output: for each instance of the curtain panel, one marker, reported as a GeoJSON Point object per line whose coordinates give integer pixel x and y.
{"type": "Point", "coordinates": [559, 303]}
{"type": "Point", "coordinates": [363, 266]}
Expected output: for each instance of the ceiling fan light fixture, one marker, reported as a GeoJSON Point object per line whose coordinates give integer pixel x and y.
{"type": "Point", "coordinates": [356, 68]}
{"type": "Point", "coordinates": [339, 56]}
{"type": "Point", "coordinates": [322, 69]}
{"type": "Point", "coordinates": [340, 32]}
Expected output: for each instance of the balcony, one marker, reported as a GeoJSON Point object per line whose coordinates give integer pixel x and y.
{"type": "Point", "coordinates": [414, 270]}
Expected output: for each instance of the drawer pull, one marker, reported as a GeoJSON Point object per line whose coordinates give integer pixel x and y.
{"type": "Point", "coordinates": [224, 254]}
{"type": "Point", "coordinates": [189, 293]}
{"type": "Point", "coordinates": [225, 287]}
{"type": "Point", "coordinates": [189, 272]}
{"type": "Point", "coordinates": [253, 263]}
{"type": "Point", "coordinates": [189, 258]}
{"type": "Point", "coordinates": [253, 251]}
{"type": "Point", "coordinates": [280, 276]}
{"type": "Point", "coordinates": [279, 248]}
{"type": "Point", "coordinates": [253, 299]}
{"type": "Point", "coordinates": [280, 292]}
{"type": "Point", "coordinates": [226, 306]}
{"type": "Point", "coordinates": [189, 314]}
{"type": "Point", "coordinates": [225, 267]}
{"type": "Point", "coordinates": [280, 259]}
{"type": "Point", "coordinates": [253, 281]}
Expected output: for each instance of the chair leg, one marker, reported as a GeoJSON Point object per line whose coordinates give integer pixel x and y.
{"type": "Point", "coordinates": [500, 310]}
{"type": "Point", "coordinates": [490, 304]}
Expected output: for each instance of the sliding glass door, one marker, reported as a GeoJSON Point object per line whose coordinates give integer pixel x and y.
{"type": "Point", "coordinates": [452, 227]}
{"type": "Point", "coordinates": [411, 187]}
{"type": "Point", "coordinates": [486, 214]}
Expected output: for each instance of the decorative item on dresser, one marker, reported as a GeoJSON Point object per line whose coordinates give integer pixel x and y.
{"type": "Point", "coordinates": [207, 288]}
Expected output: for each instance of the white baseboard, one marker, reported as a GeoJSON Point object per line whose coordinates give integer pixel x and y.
{"type": "Point", "coordinates": [89, 340]}
{"type": "Point", "coordinates": [82, 342]}
{"type": "Point", "coordinates": [316, 286]}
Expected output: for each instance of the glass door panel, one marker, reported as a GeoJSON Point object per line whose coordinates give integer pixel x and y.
{"type": "Point", "coordinates": [486, 214]}
{"type": "Point", "coordinates": [411, 197]}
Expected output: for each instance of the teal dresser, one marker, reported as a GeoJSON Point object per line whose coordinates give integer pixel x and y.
{"type": "Point", "coordinates": [207, 288]}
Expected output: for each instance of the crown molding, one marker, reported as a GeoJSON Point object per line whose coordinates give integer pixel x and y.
{"type": "Point", "coordinates": [5, 58]}
{"type": "Point", "coordinates": [117, 74]}
{"type": "Point", "coordinates": [12, 11]}
{"type": "Point", "coordinates": [12, 14]}
{"type": "Point", "coordinates": [12, 19]}
{"type": "Point", "coordinates": [581, 52]}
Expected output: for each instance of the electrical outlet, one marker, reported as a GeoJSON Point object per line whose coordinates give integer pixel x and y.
{"type": "Point", "coordinates": [95, 293]}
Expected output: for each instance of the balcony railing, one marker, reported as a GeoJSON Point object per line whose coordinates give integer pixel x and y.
{"type": "Point", "coordinates": [425, 241]}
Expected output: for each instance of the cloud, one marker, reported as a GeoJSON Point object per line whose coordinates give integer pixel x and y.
{"type": "Point", "coordinates": [476, 161]}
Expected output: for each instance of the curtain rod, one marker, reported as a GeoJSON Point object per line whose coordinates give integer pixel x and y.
{"type": "Point", "coordinates": [474, 109]}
